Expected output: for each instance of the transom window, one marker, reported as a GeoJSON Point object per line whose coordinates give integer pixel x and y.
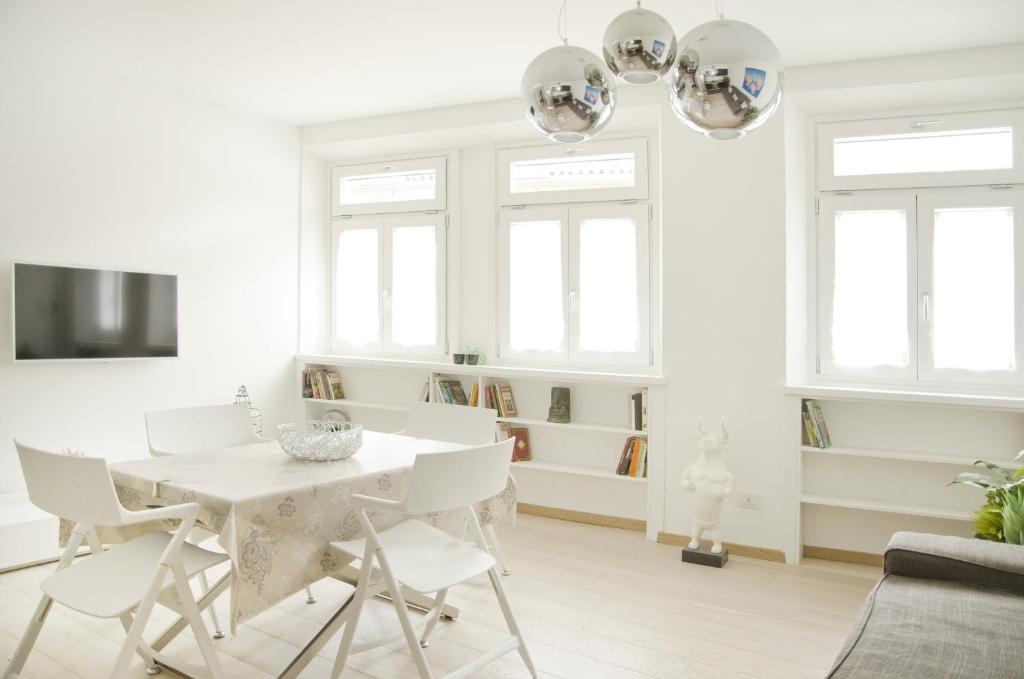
{"type": "Point", "coordinates": [389, 186]}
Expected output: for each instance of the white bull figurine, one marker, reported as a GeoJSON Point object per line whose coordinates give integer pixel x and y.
{"type": "Point", "coordinates": [710, 482]}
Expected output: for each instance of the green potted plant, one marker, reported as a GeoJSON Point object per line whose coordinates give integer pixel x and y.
{"type": "Point", "coordinates": [1001, 518]}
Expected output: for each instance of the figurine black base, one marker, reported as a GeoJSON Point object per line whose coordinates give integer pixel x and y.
{"type": "Point", "coordinates": [703, 556]}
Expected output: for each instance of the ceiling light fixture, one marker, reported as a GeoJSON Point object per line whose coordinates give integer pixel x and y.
{"type": "Point", "coordinates": [727, 80]}
{"type": "Point", "coordinates": [568, 93]}
{"type": "Point", "coordinates": [639, 46]}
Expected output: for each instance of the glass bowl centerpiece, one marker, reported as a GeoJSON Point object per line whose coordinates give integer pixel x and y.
{"type": "Point", "coordinates": [320, 440]}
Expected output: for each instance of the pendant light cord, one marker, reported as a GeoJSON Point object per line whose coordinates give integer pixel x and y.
{"type": "Point", "coordinates": [563, 23]}
{"type": "Point", "coordinates": [720, 9]}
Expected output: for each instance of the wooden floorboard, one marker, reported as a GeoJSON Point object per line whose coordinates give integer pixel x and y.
{"type": "Point", "coordinates": [594, 602]}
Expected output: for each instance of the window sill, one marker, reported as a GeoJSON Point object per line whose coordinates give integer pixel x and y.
{"type": "Point", "coordinates": [487, 370]}
{"type": "Point", "coordinates": [917, 396]}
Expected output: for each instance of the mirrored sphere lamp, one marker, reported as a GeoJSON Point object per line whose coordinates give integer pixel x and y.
{"type": "Point", "coordinates": [568, 94]}
{"type": "Point", "coordinates": [727, 79]}
{"type": "Point", "coordinates": [639, 46]}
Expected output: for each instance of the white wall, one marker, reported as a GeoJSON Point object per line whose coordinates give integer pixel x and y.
{"type": "Point", "coordinates": [100, 172]}
{"type": "Point", "coordinates": [722, 221]}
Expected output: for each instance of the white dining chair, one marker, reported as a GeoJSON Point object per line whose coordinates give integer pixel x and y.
{"type": "Point", "coordinates": [203, 429]}
{"type": "Point", "coordinates": [418, 556]}
{"type": "Point", "coordinates": [458, 424]}
{"type": "Point", "coordinates": [126, 580]}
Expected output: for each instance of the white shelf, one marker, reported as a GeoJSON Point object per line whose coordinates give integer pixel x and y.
{"type": "Point", "coordinates": [906, 455]}
{"type": "Point", "coordinates": [358, 404]}
{"type": "Point", "coordinates": [886, 507]}
{"type": "Point", "coordinates": [535, 465]}
{"type": "Point", "coordinates": [578, 426]}
{"type": "Point", "coordinates": [836, 393]}
{"type": "Point", "coordinates": [506, 371]}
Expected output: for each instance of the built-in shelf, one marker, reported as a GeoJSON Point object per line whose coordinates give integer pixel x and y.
{"type": "Point", "coordinates": [505, 371]}
{"type": "Point", "coordinates": [887, 507]}
{"type": "Point", "coordinates": [578, 426]}
{"type": "Point", "coordinates": [535, 465]}
{"type": "Point", "coordinates": [909, 456]}
{"type": "Point", "coordinates": [837, 393]}
{"type": "Point", "coordinates": [359, 404]}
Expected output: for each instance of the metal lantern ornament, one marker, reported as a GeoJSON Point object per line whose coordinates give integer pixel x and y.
{"type": "Point", "coordinates": [727, 79]}
{"type": "Point", "coordinates": [568, 93]}
{"type": "Point", "coordinates": [255, 415]}
{"type": "Point", "coordinates": [639, 46]}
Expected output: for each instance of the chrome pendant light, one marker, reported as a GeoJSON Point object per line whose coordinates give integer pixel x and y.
{"type": "Point", "coordinates": [639, 46]}
{"type": "Point", "coordinates": [727, 79]}
{"type": "Point", "coordinates": [568, 93]}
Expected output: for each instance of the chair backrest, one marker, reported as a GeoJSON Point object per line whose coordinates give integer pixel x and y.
{"type": "Point", "coordinates": [458, 424]}
{"type": "Point", "coordinates": [71, 487]}
{"type": "Point", "coordinates": [193, 430]}
{"type": "Point", "coordinates": [442, 481]}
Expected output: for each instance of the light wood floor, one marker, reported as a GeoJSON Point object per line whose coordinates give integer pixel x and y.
{"type": "Point", "coordinates": [594, 603]}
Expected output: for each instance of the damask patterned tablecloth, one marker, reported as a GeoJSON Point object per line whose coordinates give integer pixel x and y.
{"type": "Point", "coordinates": [275, 515]}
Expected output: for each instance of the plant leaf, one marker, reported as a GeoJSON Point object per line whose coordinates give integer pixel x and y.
{"type": "Point", "coordinates": [1001, 472]}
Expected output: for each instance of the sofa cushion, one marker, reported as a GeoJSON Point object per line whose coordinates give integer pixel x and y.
{"type": "Point", "coordinates": [946, 557]}
{"type": "Point", "coordinates": [914, 628]}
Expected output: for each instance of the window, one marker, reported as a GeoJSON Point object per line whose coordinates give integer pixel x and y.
{"type": "Point", "coordinates": [388, 284]}
{"type": "Point", "coordinates": [394, 186]}
{"type": "Point", "coordinates": [922, 286]}
{"type": "Point", "coordinates": [920, 250]}
{"type": "Point", "coordinates": [609, 170]}
{"type": "Point", "coordinates": [956, 149]}
{"type": "Point", "coordinates": [576, 284]}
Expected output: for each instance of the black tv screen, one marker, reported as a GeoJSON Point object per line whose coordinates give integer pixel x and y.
{"type": "Point", "coordinates": [64, 312]}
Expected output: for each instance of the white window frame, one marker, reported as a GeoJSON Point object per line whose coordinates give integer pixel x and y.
{"type": "Point", "coordinates": [829, 205]}
{"type": "Point", "coordinates": [639, 191]}
{"type": "Point", "coordinates": [385, 224]}
{"type": "Point", "coordinates": [827, 132]}
{"type": "Point", "coordinates": [928, 202]}
{"type": "Point", "coordinates": [439, 202]}
{"type": "Point", "coordinates": [570, 217]}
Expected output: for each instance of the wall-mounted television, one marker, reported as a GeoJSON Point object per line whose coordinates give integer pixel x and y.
{"type": "Point", "coordinates": [63, 312]}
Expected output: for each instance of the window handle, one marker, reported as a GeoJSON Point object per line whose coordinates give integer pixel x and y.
{"type": "Point", "coordinates": [926, 310]}
{"type": "Point", "coordinates": [572, 300]}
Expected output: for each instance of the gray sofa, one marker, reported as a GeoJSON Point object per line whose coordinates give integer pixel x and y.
{"type": "Point", "coordinates": [945, 607]}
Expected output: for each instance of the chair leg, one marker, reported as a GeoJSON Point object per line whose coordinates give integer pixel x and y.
{"type": "Point", "coordinates": [510, 620]}
{"type": "Point", "coordinates": [496, 549]}
{"type": "Point", "coordinates": [309, 596]}
{"type": "Point", "coordinates": [403, 617]}
{"type": "Point", "coordinates": [191, 613]}
{"type": "Point", "coordinates": [435, 614]}
{"type": "Point", "coordinates": [134, 638]}
{"type": "Point", "coordinates": [28, 640]}
{"type": "Point", "coordinates": [218, 633]}
{"type": "Point", "coordinates": [358, 599]}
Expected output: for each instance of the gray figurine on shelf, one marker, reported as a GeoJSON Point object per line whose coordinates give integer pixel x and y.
{"type": "Point", "coordinates": [559, 410]}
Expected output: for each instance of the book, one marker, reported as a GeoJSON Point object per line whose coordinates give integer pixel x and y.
{"type": "Point", "coordinates": [521, 448]}
{"type": "Point", "coordinates": [474, 396]}
{"type": "Point", "coordinates": [636, 411]}
{"type": "Point", "coordinates": [812, 438]}
{"type": "Point", "coordinates": [307, 386]}
{"type": "Point", "coordinates": [334, 384]}
{"type": "Point", "coordinates": [643, 402]}
{"type": "Point", "coordinates": [634, 459]}
{"type": "Point", "coordinates": [817, 417]}
{"type": "Point", "coordinates": [425, 392]}
{"type": "Point", "coordinates": [507, 401]}
{"type": "Point", "coordinates": [503, 432]}
{"type": "Point", "coordinates": [624, 459]}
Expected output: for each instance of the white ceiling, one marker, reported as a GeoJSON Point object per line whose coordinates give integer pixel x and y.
{"type": "Point", "coordinates": [307, 61]}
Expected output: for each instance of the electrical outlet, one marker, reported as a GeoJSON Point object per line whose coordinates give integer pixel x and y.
{"type": "Point", "coordinates": [748, 500]}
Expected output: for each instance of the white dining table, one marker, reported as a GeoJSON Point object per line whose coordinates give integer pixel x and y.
{"type": "Point", "coordinates": [275, 517]}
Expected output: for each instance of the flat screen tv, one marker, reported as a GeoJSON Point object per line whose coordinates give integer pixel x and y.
{"type": "Point", "coordinates": [63, 312]}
